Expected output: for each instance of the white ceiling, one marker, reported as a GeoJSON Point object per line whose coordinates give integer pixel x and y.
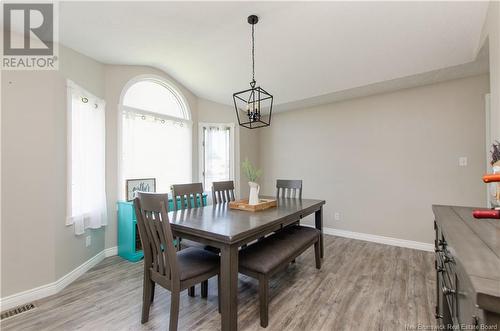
{"type": "Point", "coordinates": [303, 49]}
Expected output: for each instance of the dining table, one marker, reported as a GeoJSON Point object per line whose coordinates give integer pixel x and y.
{"type": "Point", "coordinates": [228, 229]}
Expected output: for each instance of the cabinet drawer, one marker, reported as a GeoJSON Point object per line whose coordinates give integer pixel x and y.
{"type": "Point", "coordinates": [467, 312]}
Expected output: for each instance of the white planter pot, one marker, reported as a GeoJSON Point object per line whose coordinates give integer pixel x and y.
{"type": "Point", "coordinates": [495, 188]}
{"type": "Point", "coordinates": [254, 193]}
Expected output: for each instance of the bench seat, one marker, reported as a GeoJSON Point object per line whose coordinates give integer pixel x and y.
{"type": "Point", "coordinates": [264, 258]}
{"type": "Point", "coordinates": [270, 253]}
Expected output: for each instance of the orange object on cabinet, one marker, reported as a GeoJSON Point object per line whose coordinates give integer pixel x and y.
{"type": "Point", "coordinates": [491, 178]}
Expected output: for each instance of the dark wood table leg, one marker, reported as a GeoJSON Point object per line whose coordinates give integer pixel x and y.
{"type": "Point", "coordinates": [229, 288]}
{"type": "Point", "coordinates": [318, 220]}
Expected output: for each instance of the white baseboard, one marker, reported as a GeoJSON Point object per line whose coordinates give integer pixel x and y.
{"type": "Point", "coordinates": [112, 251]}
{"type": "Point", "coordinates": [43, 291]}
{"type": "Point", "coordinates": [380, 239]}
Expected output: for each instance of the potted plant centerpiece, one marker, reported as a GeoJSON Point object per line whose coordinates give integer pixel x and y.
{"type": "Point", "coordinates": [252, 174]}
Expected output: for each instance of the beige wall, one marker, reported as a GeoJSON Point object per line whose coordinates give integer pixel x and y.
{"type": "Point", "coordinates": [28, 238]}
{"type": "Point", "coordinates": [37, 246]}
{"type": "Point", "coordinates": [249, 149]}
{"type": "Point", "coordinates": [490, 35]}
{"type": "Point", "coordinates": [381, 161]}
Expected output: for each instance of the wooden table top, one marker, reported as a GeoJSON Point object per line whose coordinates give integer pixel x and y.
{"type": "Point", "coordinates": [225, 225]}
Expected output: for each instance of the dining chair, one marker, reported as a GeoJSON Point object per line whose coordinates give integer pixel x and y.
{"type": "Point", "coordinates": [187, 196]}
{"type": "Point", "coordinates": [289, 188]}
{"type": "Point", "coordinates": [163, 264]}
{"type": "Point", "coordinates": [222, 192]}
{"type": "Point", "coordinates": [190, 196]}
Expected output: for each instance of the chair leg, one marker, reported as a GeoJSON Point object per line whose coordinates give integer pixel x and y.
{"type": "Point", "coordinates": [191, 291]}
{"type": "Point", "coordinates": [264, 300]}
{"type": "Point", "coordinates": [174, 310]}
{"type": "Point", "coordinates": [153, 291]}
{"type": "Point", "coordinates": [147, 289]}
{"type": "Point", "coordinates": [317, 254]}
{"type": "Point", "coordinates": [218, 292]}
{"type": "Point", "coordinates": [204, 288]}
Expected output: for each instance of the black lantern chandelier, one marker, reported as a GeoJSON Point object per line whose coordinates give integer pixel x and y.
{"type": "Point", "coordinates": [253, 106]}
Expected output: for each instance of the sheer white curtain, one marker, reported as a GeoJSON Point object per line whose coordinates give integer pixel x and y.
{"type": "Point", "coordinates": [156, 146]}
{"type": "Point", "coordinates": [156, 133]}
{"type": "Point", "coordinates": [86, 130]}
{"type": "Point", "coordinates": [217, 154]}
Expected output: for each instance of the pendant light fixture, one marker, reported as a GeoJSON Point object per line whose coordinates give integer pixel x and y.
{"type": "Point", "coordinates": [253, 106]}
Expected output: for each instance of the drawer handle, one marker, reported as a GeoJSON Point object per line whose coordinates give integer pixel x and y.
{"type": "Point", "coordinates": [448, 291]}
{"type": "Point", "coordinates": [437, 314]}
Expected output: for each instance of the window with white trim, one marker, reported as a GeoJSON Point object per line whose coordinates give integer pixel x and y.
{"type": "Point", "coordinates": [156, 134]}
{"type": "Point", "coordinates": [86, 160]}
{"type": "Point", "coordinates": [216, 153]}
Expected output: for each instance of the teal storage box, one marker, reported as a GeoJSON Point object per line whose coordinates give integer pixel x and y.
{"type": "Point", "coordinates": [129, 242]}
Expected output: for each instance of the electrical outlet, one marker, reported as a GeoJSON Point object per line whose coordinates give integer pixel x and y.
{"type": "Point", "coordinates": [336, 216]}
{"type": "Point", "coordinates": [88, 241]}
{"type": "Point", "coordinates": [462, 161]}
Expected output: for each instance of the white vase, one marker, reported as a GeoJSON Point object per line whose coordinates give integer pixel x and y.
{"type": "Point", "coordinates": [254, 193]}
{"type": "Point", "coordinates": [495, 188]}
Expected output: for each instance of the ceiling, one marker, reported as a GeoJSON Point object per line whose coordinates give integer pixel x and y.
{"type": "Point", "coordinates": [304, 50]}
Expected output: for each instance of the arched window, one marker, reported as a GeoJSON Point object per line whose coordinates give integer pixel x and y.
{"type": "Point", "coordinates": [156, 133]}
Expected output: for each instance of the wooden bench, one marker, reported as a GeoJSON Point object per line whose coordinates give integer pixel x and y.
{"type": "Point", "coordinates": [268, 256]}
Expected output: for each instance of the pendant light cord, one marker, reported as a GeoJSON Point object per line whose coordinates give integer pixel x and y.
{"type": "Point", "coordinates": [253, 54]}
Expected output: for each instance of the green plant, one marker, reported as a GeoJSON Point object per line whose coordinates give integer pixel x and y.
{"type": "Point", "coordinates": [495, 153]}
{"type": "Point", "coordinates": [250, 171]}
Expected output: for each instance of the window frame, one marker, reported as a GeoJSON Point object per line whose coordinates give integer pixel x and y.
{"type": "Point", "coordinates": [122, 109]}
{"type": "Point", "coordinates": [71, 87]}
{"type": "Point", "coordinates": [169, 86]}
{"type": "Point", "coordinates": [201, 150]}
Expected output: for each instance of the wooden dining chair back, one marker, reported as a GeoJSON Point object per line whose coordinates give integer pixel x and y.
{"type": "Point", "coordinates": [288, 188]}
{"type": "Point", "coordinates": [190, 195]}
{"type": "Point", "coordinates": [156, 234]}
{"type": "Point", "coordinates": [222, 192]}
{"type": "Point", "coordinates": [187, 196]}
{"type": "Point", "coordinates": [160, 263]}
{"type": "Point", "coordinates": [163, 265]}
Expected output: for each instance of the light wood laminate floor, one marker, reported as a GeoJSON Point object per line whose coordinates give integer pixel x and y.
{"type": "Point", "coordinates": [361, 286]}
